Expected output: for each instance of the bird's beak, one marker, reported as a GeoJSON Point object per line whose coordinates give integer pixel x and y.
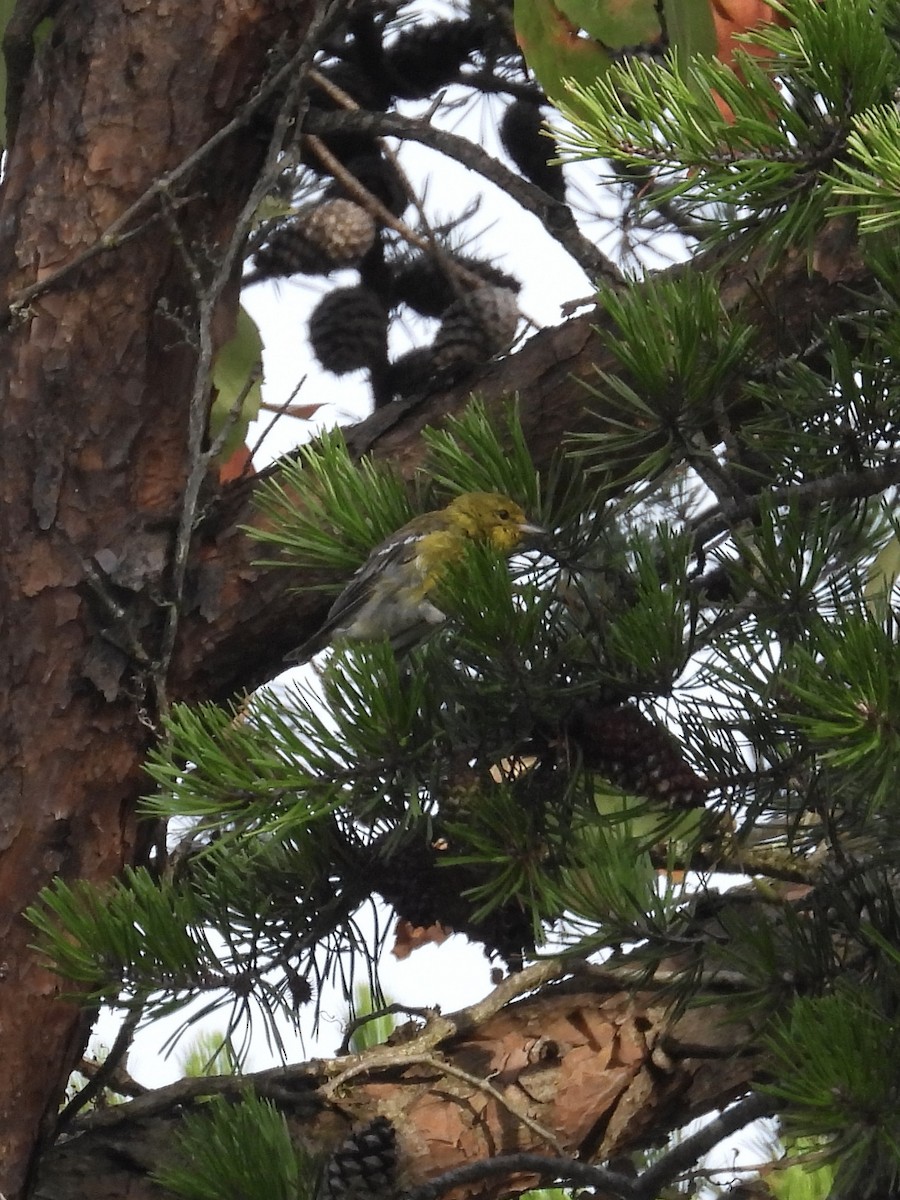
{"type": "Point", "coordinates": [533, 533]}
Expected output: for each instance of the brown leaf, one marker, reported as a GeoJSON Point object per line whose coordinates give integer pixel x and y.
{"type": "Point", "coordinates": [409, 937]}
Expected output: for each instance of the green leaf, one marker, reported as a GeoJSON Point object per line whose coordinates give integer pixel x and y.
{"type": "Point", "coordinates": [554, 50]}
{"type": "Point", "coordinates": [237, 378]}
{"type": "Point", "coordinates": [577, 40]}
{"type": "Point", "coordinates": [615, 24]}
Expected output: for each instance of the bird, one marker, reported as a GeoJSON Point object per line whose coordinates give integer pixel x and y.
{"type": "Point", "coordinates": [391, 594]}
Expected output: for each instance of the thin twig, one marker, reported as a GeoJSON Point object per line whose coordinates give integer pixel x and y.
{"type": "Point", "coordinates": [278, 411]}
{"type": "Point", "coordinates": [386, 1010]}
{"type": "Point", "coordinates": [104, 1074]}
{"type": "Point", "coordinates": [852, 485]}
{"type": "Point", "coordinates": [234, 412]}
{"type": "Point", "coordinates": [287, 115]}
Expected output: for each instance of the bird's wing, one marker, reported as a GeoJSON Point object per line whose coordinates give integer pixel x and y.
{"type": "Point", "coordinates": [392, 554]}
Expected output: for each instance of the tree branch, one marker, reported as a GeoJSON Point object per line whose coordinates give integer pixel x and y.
{"type": "Point", "coordinates": [560, 1170]}
{"type": "Point", "coordinates": [690, 1149]}
{"type": "Point", "coordinates": [245, 618]}
{"type": "Point", "coordinates": [597, 1068]}
{"type": "Point", "coordinates": [555, 216]}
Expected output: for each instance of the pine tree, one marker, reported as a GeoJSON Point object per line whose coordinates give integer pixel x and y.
{"type": "Point", "coordinates": [694, 677]}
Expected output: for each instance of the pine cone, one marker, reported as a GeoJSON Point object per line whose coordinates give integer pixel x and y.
{"type": "Point", "coordinates": [342, 229]}
{"type": "Point", "coordinates": [424, 891]}
{"type": "Point", "coordinates": [348, 330]}
{"type": "Point", "coordinates": [364, 1166]}
{"type": "Point", "coordinates": [411, 372]}
{"type": "Point", "coordinates": [422, 283]}
{"type": "Point", "coordinates": [423, 58]}
{"type": "Point", "coordinates": [637, 755]}
{"type": "Point", "coordinates": [475, 328]}
{"type": "Point", "coordinates": [525, 140]}
{"type": "Point", "coordinates": [335, 233]}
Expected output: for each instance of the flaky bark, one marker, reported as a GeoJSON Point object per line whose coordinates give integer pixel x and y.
{"type": "Point", "coordinates": [579, 1069]}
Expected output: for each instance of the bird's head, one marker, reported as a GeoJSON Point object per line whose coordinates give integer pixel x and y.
{"type": "Point", "coordinates": [494, 518]}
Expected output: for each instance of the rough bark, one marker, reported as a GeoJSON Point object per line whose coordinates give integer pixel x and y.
{"type": "Point", "coordinates": [581, 1069]}
{"type": "Point", "coordinates": [95, 377]}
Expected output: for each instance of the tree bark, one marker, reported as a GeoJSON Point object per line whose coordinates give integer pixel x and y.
{"type": "Point", "coordinates": [95, 375]}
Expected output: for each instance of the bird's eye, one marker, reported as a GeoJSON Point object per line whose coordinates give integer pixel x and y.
{"type": "Point", "coordinates": [503, 514]}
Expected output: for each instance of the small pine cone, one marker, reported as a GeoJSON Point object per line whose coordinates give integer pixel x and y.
{"type": "Point", "coordinates": [475, 328]}
{"type": "Point", "coordinates": [364, 1166]}
{"type": "Point", "coordinates": [422, 283]}
{"type": "Point", "coordinates": [633, 752]}
{"type": "Point", "coordinates": [411, 372]}
{"type": "Point", "coordinates": [525, 140]}
{"type": "Point", "coordinates": [377, 175]}
{"type": "Point", "coordinates": [348, 330]}
{"type": "Point", "coordinates": [343, 230]}
{"type": "Point", "coordinates": [423, 58]}
{"type": "Point", "coordinates": [335, 233]}
{"type": "Point", "coordinates": [299, 988]}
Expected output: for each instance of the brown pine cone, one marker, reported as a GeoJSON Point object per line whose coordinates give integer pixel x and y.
{"type": "Point", "coordinates": [476, 327]}
{"type": "Point", "coordinates": [336, 233]}
{"type": "Point", "coordinates": [364, 1166]}
{"type": "Point", "coordinates": [639, 756]}
{"type": "Point", "coordinates": [348, 330]}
